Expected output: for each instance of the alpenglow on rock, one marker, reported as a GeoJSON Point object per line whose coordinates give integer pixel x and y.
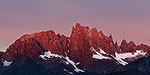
{"type": "Point", "coordinates": [85, 50]}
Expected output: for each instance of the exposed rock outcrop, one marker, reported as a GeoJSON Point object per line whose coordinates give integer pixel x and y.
{"type": "Point", "coordinates": [79, 47]}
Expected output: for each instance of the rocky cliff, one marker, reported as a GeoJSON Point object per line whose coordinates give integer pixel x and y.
{"type": "Point", "coordinates": [91, 50]}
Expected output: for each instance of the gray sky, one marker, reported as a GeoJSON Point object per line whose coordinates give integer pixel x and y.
{"type": "Point", "coordinates": [129, 19]}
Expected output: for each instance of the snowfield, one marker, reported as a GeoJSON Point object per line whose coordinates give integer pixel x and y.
{"type": "Point", "coordinates": [122, 56]}
{"type": "Point", "coordinates": [68, 61]}
{"type": "Point", "coordinates": [99, 55]}
{"type": "Point", "coordinates": [119, 57]}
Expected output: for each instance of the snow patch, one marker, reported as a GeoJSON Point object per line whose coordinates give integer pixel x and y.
{"type": "Point", "coordinates": [74, 65]}
{"type": "Point", "coordinates": [50, 55]}
{"type": "Point", "coordinates": [6, 63]}
{"type": "Point", "coordinates": [122, 56]}
{"type": "Point", "coordinates": [68, 61]}
{"type": "Point", "coordinates": [101, 51]}
{"type": "Point", "coordinates": [98, 55]}
{"type": "Point", "coordinates": [68, 71]}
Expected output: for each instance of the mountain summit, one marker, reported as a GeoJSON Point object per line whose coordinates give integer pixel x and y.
{"type": "Point", "coordinates": [86, 50]}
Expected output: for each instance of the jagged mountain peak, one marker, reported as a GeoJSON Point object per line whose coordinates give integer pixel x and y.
{"type": "Point", "coordinates": [101, 33]}
{"type": "Point", "coordinates": [85, 50]}
{"type": "Point", "coordinates": [84, 46]}
{"type": "Point", "coordinates": [78, 25]}
{"type": "Point", "coordinates": [81, 36]}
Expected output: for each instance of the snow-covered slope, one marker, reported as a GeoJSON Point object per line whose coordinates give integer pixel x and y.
{"type": "Point", "coordinates": [99, 55]}
{"type": "Point", "coordinates": [68, 61]}
{"type": "Point", "coordinates": [120, 57]}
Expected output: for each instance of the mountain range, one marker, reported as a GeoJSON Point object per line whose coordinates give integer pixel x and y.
{"type": "Point", "coordinates": [85, 52]}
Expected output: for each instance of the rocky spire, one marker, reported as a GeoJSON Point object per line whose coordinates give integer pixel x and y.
{"type": "Point", "coordinates": [123, 46]}
{"type": "Point", "coordinates": [101, 33]}
{"type": "Point", "coordinates": [110, 38]}
{"type": "Point", "coordinates": [78, 26]}
{"type": "Point", "coordinates": [94, 34]}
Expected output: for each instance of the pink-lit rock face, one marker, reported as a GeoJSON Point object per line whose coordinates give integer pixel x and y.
{"type": "Point", "coordinates": [31, 45]}
{"type": "Point", "coordinates": [80, 46]}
